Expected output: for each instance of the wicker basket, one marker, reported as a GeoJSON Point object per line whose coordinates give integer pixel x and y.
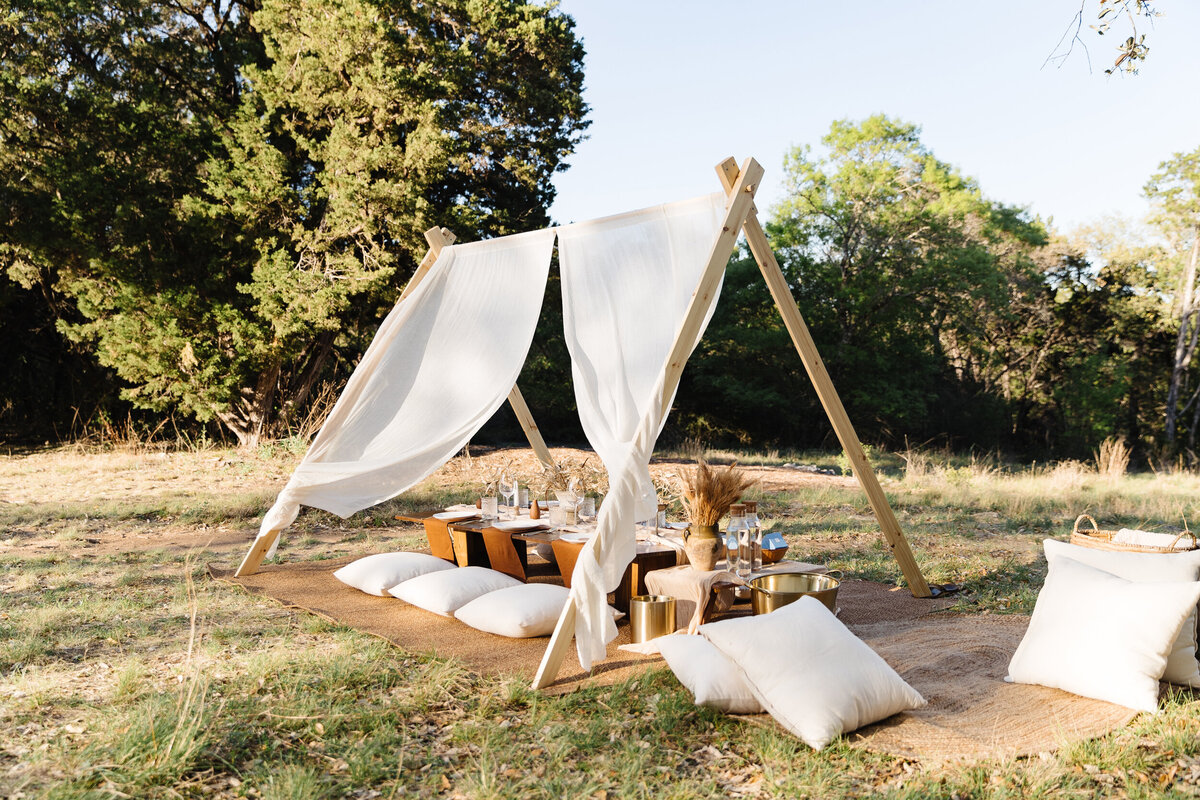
{"type": "Point", "coordinates": [1103, 540]}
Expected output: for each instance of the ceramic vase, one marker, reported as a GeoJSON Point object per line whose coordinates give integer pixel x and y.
{"type": "Point", "coordinates": [704, 545]}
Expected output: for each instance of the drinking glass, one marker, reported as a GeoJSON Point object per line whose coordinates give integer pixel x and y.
{"type": "Point", "coordinates": [489, 507]}
{"type": "Point", "coordinates": [509, 490]}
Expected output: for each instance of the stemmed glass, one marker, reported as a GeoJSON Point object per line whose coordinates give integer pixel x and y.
{"type": "Point", "coordinates": [508, 490]}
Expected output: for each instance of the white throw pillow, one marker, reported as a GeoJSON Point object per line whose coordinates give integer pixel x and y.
{"type": "Point", "coordinates": [518, 612]}
{"type": "Point", "coordinates": [1182, 667]}
{"type": "Point", "coordinates": [1098, 635]}
{"type": "Point", "coordinates": [712, 678]}
{"type": "Point", "coordinates": [380, 572]}
{"type": "Point", "coordinates": [449, 590]}
{"type": "Point", "coordinates": [810, 673]}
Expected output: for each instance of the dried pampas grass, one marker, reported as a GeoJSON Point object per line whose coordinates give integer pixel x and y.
{"type": "Point", "coordinates": [707, 492]}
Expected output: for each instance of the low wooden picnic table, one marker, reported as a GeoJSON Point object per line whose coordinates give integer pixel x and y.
{"type": "Point", "coordinates": [469, 550]}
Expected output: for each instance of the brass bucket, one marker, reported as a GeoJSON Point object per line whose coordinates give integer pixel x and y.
{"type": "Point", "coordinates": [650, 616]}
{"type": "Point", "coordinates": [769, 592]}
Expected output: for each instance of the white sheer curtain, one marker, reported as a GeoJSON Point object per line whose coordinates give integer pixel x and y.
{"type": "Point", "coordinates": [441, 364]}
{"type": "Point", "coordinates": [626, 284]}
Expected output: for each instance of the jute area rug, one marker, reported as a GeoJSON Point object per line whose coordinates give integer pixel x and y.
{"type": "Point", "coordinates": [957, 662]}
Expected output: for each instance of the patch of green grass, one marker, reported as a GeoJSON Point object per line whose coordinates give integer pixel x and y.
{"type": "Point", "coordinates": [102, 696]}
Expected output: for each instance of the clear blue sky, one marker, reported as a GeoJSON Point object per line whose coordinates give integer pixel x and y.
{"type": "Point", "coordinates": [675, 87]}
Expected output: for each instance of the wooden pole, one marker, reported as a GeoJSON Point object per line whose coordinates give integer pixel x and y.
{"type": "Point", "coordinates": [437, 238]}
{"type": "Point", "coordinates": [254, 557]}
{"type": "Point", "coordinates": [741, 196]}
{"type": "Point", "coordinates": [517, 401]}
{"type": "Point", "coordinates": [826, 392]}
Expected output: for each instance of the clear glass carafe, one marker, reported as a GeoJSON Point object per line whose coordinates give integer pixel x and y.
{"type": "Point", "coordinates": [750, 520]}
{"type": "Point", "coordinates": [736, 533]}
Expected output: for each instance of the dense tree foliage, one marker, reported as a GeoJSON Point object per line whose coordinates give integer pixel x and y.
{"type": "Point", "coordinates": [208, 205]}
{"type": "Point", "coordinates": [228, 195]}
{"type": "Point", "coordinates": [941, 315]}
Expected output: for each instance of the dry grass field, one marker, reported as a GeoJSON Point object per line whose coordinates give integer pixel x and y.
{"type": "Point", "coordinates": [126, 672]}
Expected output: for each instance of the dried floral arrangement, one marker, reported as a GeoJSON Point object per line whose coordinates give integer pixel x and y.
{"type": "Point", "coordinates": [589, 477]}
{"type": "Point", "coordinates": [489, 485]}
{"type": "Point", "coordinates": [707, 492]}
{"type": "Point", "coordinates": [669, 488]}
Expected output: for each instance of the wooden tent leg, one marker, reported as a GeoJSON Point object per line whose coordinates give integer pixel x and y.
{"type": "Point", "coordinates": [741, 200]}
{"type": "Point", "coordinates": [437, 238]}
{"type": "Point", "coordinates": [517, 401]}
{"type": "Point", "coordinates": [828, 395]}
{"type": "Point", "coordinates": [556, 651]}
{"type": "Point", "coordinates": [255, 556]}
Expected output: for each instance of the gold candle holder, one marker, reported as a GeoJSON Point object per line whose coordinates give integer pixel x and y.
{"type": "Point", "coordinates": [651, 616]}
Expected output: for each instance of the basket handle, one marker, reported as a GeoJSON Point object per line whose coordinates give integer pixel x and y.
{"type": "Point", "coordinates": [1187, 533]}
{"type": "Point", "coordinates": [1095, 527]}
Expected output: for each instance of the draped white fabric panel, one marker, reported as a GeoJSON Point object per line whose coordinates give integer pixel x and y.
{"type": "Point", "coordinates": [626, 284]}
{"type": "Point", "coordinates": [441, 364]}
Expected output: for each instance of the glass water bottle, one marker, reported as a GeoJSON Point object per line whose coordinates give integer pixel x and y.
{"type": "Point", "coordinates": [750, 520]}
{"type": "Point", "coordinates": [737, 533]}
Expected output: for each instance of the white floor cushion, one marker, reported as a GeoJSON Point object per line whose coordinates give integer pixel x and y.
{"type": "Point", "coordinates": [812, 674]}
{"type": "Point", "coordinates": [1098, 635]}
{"type": "Point", "coordinates": [708, 674]}
{"type": "Point", "coordinates": [518, 612]}
{"type": "Point", "coordinates": [1182, 667]}
{"type": "Point", "coordinates": [380, 572]}
{"type": "Point", "coordinates": [447, 591]}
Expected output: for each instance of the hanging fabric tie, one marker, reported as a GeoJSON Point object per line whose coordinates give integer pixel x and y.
{"type": "Point", "coordinates": [626, 284]}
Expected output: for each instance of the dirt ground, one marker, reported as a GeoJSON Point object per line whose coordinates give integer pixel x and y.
{"type": "Point", "coordinates": [65, 498]}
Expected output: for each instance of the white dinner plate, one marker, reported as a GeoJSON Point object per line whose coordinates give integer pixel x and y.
{"type": "Point", "coordinates": [455, 516]}
{"type": "Point", "coordinates": [516, 525]}
{"type": "Point", "coordinates": [575, 537]}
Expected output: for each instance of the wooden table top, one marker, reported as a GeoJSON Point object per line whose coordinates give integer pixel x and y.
{"type": "Point", "coordinates": [537, 536]}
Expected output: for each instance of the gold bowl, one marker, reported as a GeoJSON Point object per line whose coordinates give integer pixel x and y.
{"type": "Point", "coordinates": [769, 592]}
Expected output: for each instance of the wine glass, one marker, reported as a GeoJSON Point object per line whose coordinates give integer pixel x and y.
{"type": "Point", "coordinates": [508, 490]}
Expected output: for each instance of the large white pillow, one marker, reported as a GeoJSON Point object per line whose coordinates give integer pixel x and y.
{"type": "Point", "coordinates": [1182, 667]}
{"type": "Point", "coordinates": [810, 673]}
{"type": "Point", "coordinates": [449, 590]}
{"type": "Point", "coordinates": [712, 678]}
{"type": "Point", "coordinates": [380, 572]}
{"type": "Point", "coordinates": [518, 612]}
{"type": "Point", "coordinates": [1098, 635]}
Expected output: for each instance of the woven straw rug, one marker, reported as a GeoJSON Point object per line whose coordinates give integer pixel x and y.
{"type": "Point", "coordinates": [957, 662]}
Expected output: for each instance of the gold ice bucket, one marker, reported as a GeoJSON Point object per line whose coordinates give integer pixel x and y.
{"type": "Point", "coordinates": [769, 592]}
{"type": "Point", "coordinates": [651, 616]}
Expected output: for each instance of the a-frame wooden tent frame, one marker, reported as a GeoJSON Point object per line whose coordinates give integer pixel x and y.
{"type": "Point", "coordinates": [740, 185]}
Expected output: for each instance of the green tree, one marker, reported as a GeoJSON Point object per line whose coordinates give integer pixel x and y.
{"type": "Point", "coordinates": [1105, 343]}
{"type": "Point", "coordinates": [236, 192]}
{"type": "Point", "coordinates": [105, 111]}
{"type": "Point", "coordinates": [1175, 192]}
{"type": "Point", "coordinates": [905, 272]}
